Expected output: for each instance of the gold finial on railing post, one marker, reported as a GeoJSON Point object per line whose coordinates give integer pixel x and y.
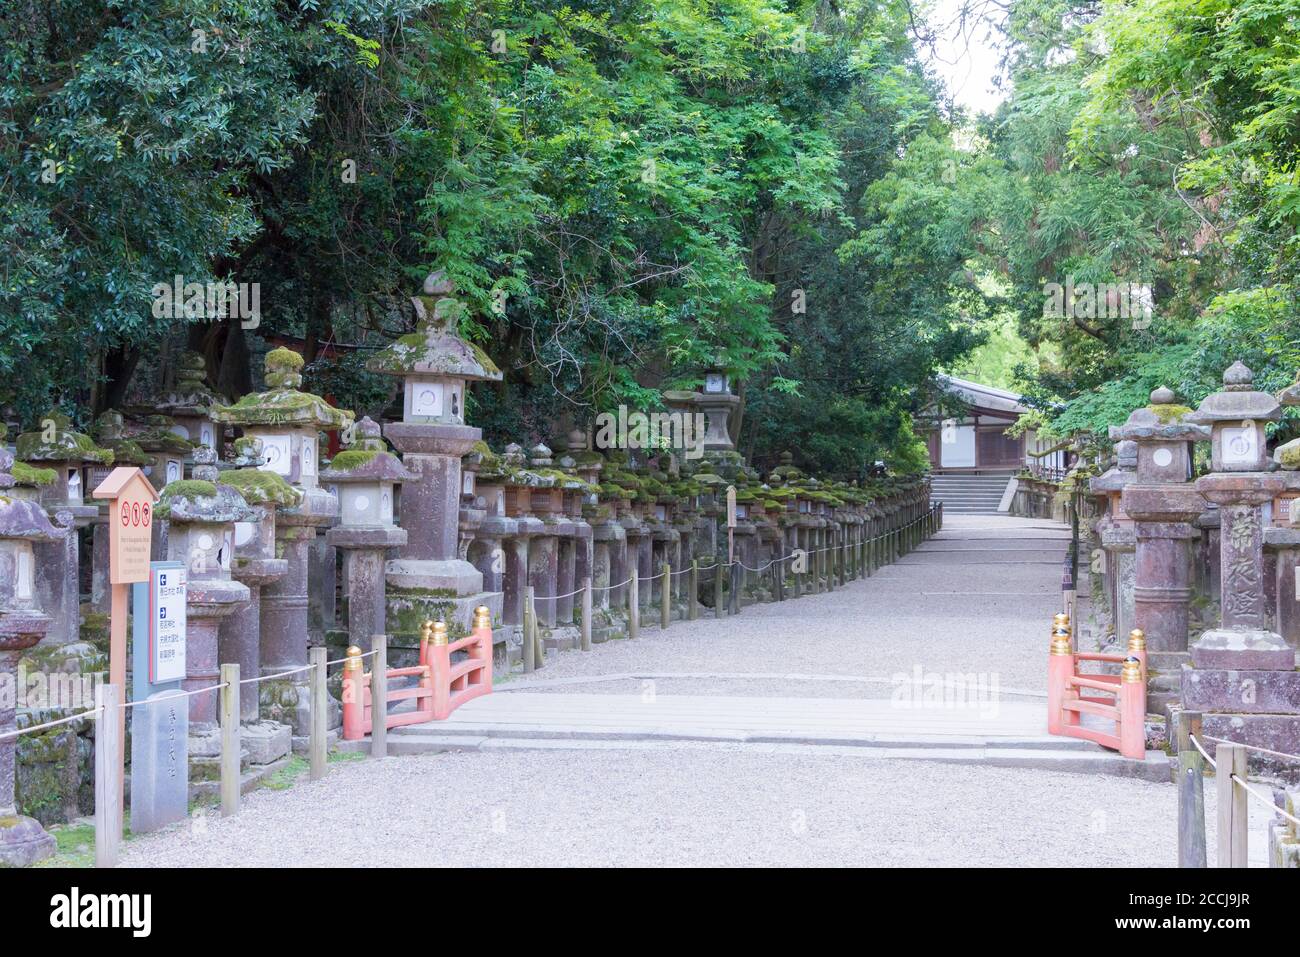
{"type": "Point", "coordinates": [1137, 641]}
{"type": "Point", "coordinates": [1131, 671]}
{"type": "Point", "coordinates": [1061, 635]}
{"type": "Point", "coordinates": [353, 663]}
{"type": "Point", "coordinates": [482, 617]}
{"type": "Point", "coordinates": [439, 632]}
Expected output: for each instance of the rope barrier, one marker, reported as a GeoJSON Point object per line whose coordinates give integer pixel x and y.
{"type": "Point", "coordinates": [1208, 760]}
{"type": "Point", "coordinates": [345, 659]}
{"type": "Point", "coordinates": [281, 674]}
{"type": "Point", "coordinates": [180, 694]}
{"type": "Point", "coordinates": [48, 724]}
{"type": "Point", "coordinates": [1263, 798]}
{"type": "Point", "coordinates": [537, 597]}
{"type": "Point", "coordinates": [1252, 747]}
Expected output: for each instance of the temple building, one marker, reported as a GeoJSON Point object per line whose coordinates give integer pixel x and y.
{"type": "Point", "coordinates": [972, 457]}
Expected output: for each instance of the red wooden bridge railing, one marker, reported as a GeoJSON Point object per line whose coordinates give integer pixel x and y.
{"type": "Point", "coordinates": [1120, 699]}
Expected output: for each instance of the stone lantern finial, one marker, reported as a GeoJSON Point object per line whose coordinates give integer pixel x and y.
{"type": "Point", "coordinates": [205, 465]}
{"type": "Point", "coordinates": [1161, 395]}
{"type": "Point", "coordinates": [539, 456]}
{"type": "Point", "coordinates": [1238, 378]}
{"type": "Point", "coordinates": [283, 369]}
{"type": "Point", "coordinates": [368, 437]}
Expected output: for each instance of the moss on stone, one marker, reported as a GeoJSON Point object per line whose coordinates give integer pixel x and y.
{"type": "Point", "coordinates": [351, 459]}
{"type": "Point", "coordinates": [32, 475]}
{"type": "Point", "coordinates": [189, 488]}
{"type": "Point", "coordinates": [261, 487]}
{"type": "Point", "coordinates": [67, 446]}
{"type": "Point", "coordinates": [1168, 414]}
{"type": "Point", "coordinates": [284, 360]}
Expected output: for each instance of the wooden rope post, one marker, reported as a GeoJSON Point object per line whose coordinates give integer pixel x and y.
{"type": "Point", "coordinates": [1191, 793]}
{"type": "Point", "coordinates": [108, 772]}
{"type": "Point", "coordinates": [718, 610]}
{"type": "Point", "coordinates": [230, 744]}
{"type": "Point", "coordinates": [586, 614]}
{"type": "Point", "coordinates": [666, 597]}
{"type": "Point", "coordinates": [634, 605]}
{"type": "Point", "coordinates": [378, 697]}
{"type": "Point", "coordinates": [528, 650]}
{"type": "Point", "coordinates": [539, 651]}
{"type": "Point", "coordinates": [1233, 834]}
{"type": "Point", "coordinates": [693, 591]}
{"type": "Point", "coordinates": [319, 703]}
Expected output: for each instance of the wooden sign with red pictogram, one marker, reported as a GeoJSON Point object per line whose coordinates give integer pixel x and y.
{"type": "Point", "coordinates": [130, 523]}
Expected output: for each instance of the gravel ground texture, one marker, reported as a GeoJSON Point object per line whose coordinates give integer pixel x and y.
{"type": "Point", "coordinates": [686, 806]}
{"type": "Point", "coordinates": [945, 607]}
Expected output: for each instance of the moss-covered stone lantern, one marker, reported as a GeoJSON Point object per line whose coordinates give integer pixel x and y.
{"type": "Point", "coordinates": [256, 566]}
{"type": "Point", "coordinates": [56, 446]}
{"type": "Point", "coordinates": [366, 475]}
{"type": "Point", "coordinates": [288, 422]}
{"type": "Point", "coordinates": [430, 578]}
{"type": "Point", "coordinates": [23, 523]}
{"type": "Point", "coordinates": [1161, 501]}
{"type": "Point", "coordinates": [190, 404]}
{"type": "Point", "coordinates": [201, 513]}
{"type": "Point", "coordinates": [167, 448]}
{"type": "Point", "coordinates": [1242, 677]}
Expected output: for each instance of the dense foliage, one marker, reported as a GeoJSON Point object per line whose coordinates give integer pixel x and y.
{"type": "Point", "coordinates": [1149, 142]}
{"type": "Point", "coordinates": [623, 190]}
{"type": "Point", "coordinates": [626, 191]}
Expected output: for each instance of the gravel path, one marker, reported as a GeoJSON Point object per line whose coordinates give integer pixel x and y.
{"type": "Point", "coordinates": [979, 598]}
{"type": "Point", "coordinates": [685, 806]}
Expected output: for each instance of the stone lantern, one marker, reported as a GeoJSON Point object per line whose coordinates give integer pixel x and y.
{"type": "Point", "coordinates": [201, 514]}
{"type": "Point", "coordinates": [1162, 503]}
{"type": "Point", "coordinates": [719, 405]}
{"type": "Point", "coordinates": [288, 423]}
{"type": "Point", "coordinates": [54, 445]}
{"type": "Point", "coordinates": [1118, 535]}
{"type": "Point", "coordinates": [432, 578]}
{"type": "Point", "coordinates": [1284, 538]}
{"type": "Point", "coordinates": [1241, 484]}
{"type": "Point", "coordinates": [168, 451]}
{"type": "Point", "coordinates": [22, 624]}
{"type": "Point", "coordinates": [365, 475]}
{"type": "Point", "coordinates": [110, 435]}
{"type": "Point", "coordinates": [1243, 675]}
{"type": "Point", "coordinates": [256, 566]}
{"type": "Point", "coordinates": [191, 403]}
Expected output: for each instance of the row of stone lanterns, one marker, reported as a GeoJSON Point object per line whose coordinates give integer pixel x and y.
{"type": "Point", "coordinates": [1240, 675]}
{"type": "Point", "coordinates": [451, 527]}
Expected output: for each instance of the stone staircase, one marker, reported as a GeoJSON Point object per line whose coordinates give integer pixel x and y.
{"type": "Point", "coordinates": [969, 494]}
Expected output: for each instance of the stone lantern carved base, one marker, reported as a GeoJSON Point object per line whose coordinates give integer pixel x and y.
{"type": "Point", "coordinates": [23, 842]}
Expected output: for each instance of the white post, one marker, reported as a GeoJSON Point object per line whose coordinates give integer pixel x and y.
{"type": "Point", "coordinates": [230, 743]}
{"type": "Point", "coordinates": [378, 697]}
{"type": "Point", "coordinates": [108, 773]}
